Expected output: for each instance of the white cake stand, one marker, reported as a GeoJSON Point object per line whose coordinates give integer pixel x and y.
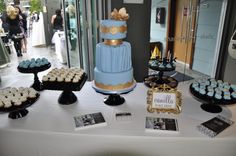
{"type": "Point", "coordinates": [114, 98]}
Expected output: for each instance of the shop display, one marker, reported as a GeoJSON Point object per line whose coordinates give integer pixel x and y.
{"type": "Point", "coordinates": [213, 93]}
{"type": "Point", "coordinates": [161, 64]}
{"type": "Point", "coordinates": [34, 66]}
{"type": "Point", "coordinates": [214, 126]}
{"type": "Point", "coordinates": [113, 73]}
{"type": "Point", "coordinates": [67, 80]}
{"type": "Point", "coordinates": [16, 100]}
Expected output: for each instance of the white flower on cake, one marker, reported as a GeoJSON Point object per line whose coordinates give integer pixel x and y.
{"type": "Point", "coordinates": [120, 15]}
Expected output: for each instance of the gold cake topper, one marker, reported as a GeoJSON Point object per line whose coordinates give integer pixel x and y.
{"type": "Point", "coordinates": [120, 15]}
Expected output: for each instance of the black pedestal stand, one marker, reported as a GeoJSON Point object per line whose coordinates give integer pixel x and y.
{"type": "Point", "coordinates": [211, 108]}
{"type": "Point", "coordinates": [37, 85]}
{"type": "Point", "coordinates": [67, 98]}
{"type": "Point", "coordinates": [18, 114]}
{"type": "Point", "coordinates": [114, 100]}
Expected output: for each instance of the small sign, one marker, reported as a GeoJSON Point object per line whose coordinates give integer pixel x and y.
{"type": "Point", "coordinates": [164, 99]}
{"type": "Point", "coordinates": [134, 1]}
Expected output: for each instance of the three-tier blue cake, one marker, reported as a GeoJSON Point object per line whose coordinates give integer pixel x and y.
{"type": "Point", "coordinates": [113, 71]}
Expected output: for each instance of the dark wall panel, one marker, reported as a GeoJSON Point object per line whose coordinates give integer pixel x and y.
{"type": "Point", "coordinates": [138, 34]}
{"type": "Point", "coordinates": [226, 64]}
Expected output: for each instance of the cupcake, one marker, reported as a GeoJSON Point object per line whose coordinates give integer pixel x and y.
{"type": "Point", "coordinates": [18, 103]}
{"type": "Point", "coordinates": [52, 79]}
{"type": "Point", "coordinates": [68, 80]}
{"type": "Point", "coordinates": [233, 94]}
{"type": "Point", "coordinates": [196, 89]}
{"type": "Point", "coordinates": [32, 95]}
{"type": "Point", "coordinates": [23, 99]}
{"type": "Point", "coordinates": [210, 94]}
{"type": "Point", "coordinates": [45, 78]}
{"type": "Point", "coordinates": [202, 91]}
{"type": "Point", "coordinates": [233, 86]}
{"type": "Point", "coordinates": [75, 80]}
{"type": "Point", "coordinates": [227, 97]}
{"type": "Point", "coordinates": [218, 96]}
{"type": "Point", "coordinates": [7, 104]}
{"type": "Point", "coordinates": [168, 66]}
{"type": "Point", "coordinates": [1, 104]}
{"type": "Point", "coordinates": [161, 66]}
{"type": "Point", "coordinates": [60, 79]}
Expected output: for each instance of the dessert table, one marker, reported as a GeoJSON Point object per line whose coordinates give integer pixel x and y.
{"type": "Point", "coordinates": [48, 129]}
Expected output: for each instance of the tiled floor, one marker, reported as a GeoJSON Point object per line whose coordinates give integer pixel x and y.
{"type": "Point", "coordinates": [10, 73]}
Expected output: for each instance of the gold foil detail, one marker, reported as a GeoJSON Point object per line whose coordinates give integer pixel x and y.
{"type": "Point", "coordinates": [113, 30]}
{"type": "Point", "coordinates": [114, 88]}
{"type": "Point", "coordinates": [113, 42]}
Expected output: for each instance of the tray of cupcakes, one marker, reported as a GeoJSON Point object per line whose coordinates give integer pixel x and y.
{"type": "Point", "coordinates": [34, 65]}
{"type": "Point", "coordinates": [71, 79]}
{"type": "Point", "coordinates": [14, 99]}
{"type": "Point", "coordinates": [159, 63]}
{"type": "Point", "coordinates": [213, 91]}
{"type": "Point", "coordinates": [155, 81]}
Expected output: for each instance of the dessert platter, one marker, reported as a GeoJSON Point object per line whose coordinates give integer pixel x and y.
{"type": "Point", "coordinates": [34, 66]}
{"type": "Point", "coordinates": [213, 94]}
{"type": "Point", "coordinates": [161, 64]}
{"type": "Point", "coordinates": [16, 100]}
{"type": "Point", "coordinates": [66, 80]}
{"type": "Point", "coordinates": [113, 72]}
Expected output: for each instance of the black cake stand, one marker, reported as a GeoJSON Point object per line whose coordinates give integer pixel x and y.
{"type": "Point", "coordinates": [114, 97]}
{"type": "Point", "coordinates": [16, 112]}
{"type": "Point", "coordinates": [67, 96]}
{"type": "Point", "coordinates": [210, 105]}
{"type": "Point", "coordinates": [37, 85]}
{"type": "Point", "coordinates": [156, 80]}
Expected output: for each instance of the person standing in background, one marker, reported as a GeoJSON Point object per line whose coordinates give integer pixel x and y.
{"type": "Point", "coordinates": [15, 32]}
{"type": "Point", "coordinates": [57, 21]}
{"type": "Point", "coordinates": [23, 25]}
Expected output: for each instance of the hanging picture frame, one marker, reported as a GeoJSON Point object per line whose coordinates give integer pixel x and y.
{"type": "Point", "coordinates": [160, 15]}
{"type": "Point", "coordinates": [164, 99]}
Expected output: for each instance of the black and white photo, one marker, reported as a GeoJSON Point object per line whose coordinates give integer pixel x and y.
{"type": "Point", "coordinates": [89, 120]}
{"type": "Point", "coordinates": [161, 124]}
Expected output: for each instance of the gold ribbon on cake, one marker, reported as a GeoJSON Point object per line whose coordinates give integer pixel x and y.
{"type": "Point", "coordinates": [113, 30]}
{"type": "Point", "coordinates": [113, 42]}
{"type": "Point", "coordinates": [114, 88]}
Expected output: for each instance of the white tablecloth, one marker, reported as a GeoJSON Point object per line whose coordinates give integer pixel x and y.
{"type": "Point", "coordinates": [48, 129]}
{"type": "Point", "coordinates": [60, 46]}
